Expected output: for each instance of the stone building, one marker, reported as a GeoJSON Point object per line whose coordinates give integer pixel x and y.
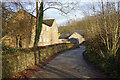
{"type": "Point", "coordinates": [22, 28]}
{"type": "Point", "coordinates": [76, 37]}
{"type": "Point", "coordinates": [49, 33]}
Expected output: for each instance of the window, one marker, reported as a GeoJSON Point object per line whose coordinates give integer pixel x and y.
{"type": "Point", "coordinates": [54, 30]}
{"type": "Point", "coordinates": [44, 40]}
{"type": "Point", "coordinates": [43, 27]}
{"type": "Point", "coordinates": [47, 40]}
{"type": "Point", "coordinates": [40, 39]}
{"type": "Point", "coordinates": [47, 28]}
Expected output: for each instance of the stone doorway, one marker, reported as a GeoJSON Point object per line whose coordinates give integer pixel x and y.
{"type": "Point", "coordinates": [19, 41]}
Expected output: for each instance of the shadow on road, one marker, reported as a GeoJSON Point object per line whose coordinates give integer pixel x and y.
{"type": "Point", "coordinates": [58, 72]}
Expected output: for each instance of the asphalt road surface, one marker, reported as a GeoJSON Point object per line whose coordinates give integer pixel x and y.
{"type": "Point", "coordinates": [69, 64]}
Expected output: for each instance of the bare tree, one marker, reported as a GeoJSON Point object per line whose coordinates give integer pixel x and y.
{"type": "Point", "coordinates": [111, 30]}
{"type": "Point", "coordinates": [42, 10]}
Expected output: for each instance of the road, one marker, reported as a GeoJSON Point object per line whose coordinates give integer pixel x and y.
{"type": "Point", "coordinates": [69, 64]}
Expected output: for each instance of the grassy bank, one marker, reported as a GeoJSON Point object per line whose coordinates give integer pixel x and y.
{"type": "Point", "coordinates": [106, 64]}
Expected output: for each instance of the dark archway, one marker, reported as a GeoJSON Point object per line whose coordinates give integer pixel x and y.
{"type": "Point", "coordinates": [18, 41]}
{"type": "Point", "coordinates": [73, 40]}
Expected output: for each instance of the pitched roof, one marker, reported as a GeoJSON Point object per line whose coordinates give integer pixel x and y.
{"type": "Point", "coordinates": [63, 36]}
{"type": "Point", "coordinates": [19, 12]}
{"type": "Point", "coordinates": [81, 32]}
{"type": "Point", "coordinates": [72, 34]}
{"type": "Point", "coordinates": [68, 36]}
{"type": "Point", "coordinates": [48, 22]}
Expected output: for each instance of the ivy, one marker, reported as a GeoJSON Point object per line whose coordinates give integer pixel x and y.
{"type": "Point", "coordinates": [38, 30]}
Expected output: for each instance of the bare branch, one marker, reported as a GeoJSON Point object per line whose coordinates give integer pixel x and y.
{"type": "Point", "coordinates": [55, 8]}
{"type": "Point", "coordinates": [59, 10]}
{"type": "Point", "coordinates": [33, 11]}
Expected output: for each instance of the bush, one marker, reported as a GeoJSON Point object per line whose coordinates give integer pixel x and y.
{"type": "Point", "coordinates": [109, 65]}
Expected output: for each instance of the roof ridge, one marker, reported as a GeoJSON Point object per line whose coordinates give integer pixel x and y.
{"type": "Point", "coordinates": [48, 22]}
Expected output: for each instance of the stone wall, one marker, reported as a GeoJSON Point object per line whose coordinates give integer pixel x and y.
{"type": "Point", "coordinates": [16, 60]}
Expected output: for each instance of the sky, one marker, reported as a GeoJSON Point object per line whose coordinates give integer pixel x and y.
{"type": "Point", "coordinates": [78, 13]}
{"type": "Point", "coordinates": [62, 19]}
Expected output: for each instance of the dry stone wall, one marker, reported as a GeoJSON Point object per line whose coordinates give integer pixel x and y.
{"type": "Point", "coordinates": [16, 60]}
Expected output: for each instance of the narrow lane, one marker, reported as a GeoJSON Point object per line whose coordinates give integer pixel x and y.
{"type": "Point", "coordinates": [69, 64]}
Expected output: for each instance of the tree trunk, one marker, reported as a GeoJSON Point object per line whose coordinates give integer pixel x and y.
{"type": "Point", "coordinates": [106, 30]}
{"type": "Point", "coordinates": [39, 24]}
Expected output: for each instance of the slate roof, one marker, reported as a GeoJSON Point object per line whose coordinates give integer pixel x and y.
{"type": "Point", "coordinates": [81, 32]}
{"type": "Point", "coordinates": [73, 33]}
{"type": "Point", "coordinates": [68, 36]}
{"type": "Point", "coordinates": [48, 22]}
{"type": "Point", "coordinates": [63, 36]}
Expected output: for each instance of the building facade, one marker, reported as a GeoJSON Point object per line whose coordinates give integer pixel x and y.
{"type": "Point", "coordinates": [76, 36]}
{"type": "Point", "coordinates": [22, 28]}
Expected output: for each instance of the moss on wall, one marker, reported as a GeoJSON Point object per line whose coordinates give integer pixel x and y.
{"type": "Point", "coordinates": [16, 60]}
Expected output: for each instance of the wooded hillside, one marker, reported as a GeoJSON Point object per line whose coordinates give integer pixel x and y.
{"type": "Point", "coordinates": [102, 34]}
